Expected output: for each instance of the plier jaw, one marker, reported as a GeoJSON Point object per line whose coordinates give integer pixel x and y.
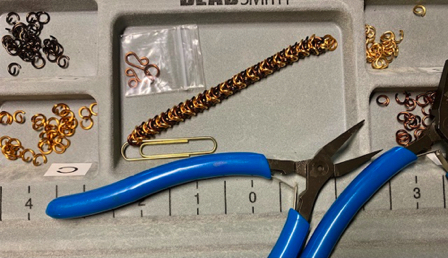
{"type": "Point", "coordinates": [320, 169]}
{"type": "Point", "coordinates": [438, 129]}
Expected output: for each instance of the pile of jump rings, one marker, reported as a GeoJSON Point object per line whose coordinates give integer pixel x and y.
{"type": "Point", "coordinates": [412, 123]}
{"type": "Point", "coordinates": [381, 54]}
{"type": "Point", "coordinates": [25, 42]}
{"type": "Point", "coordinates": [54, 132]}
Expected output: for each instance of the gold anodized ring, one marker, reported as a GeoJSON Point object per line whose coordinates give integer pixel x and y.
{"type": "Point", "coordinates": [91, 108]}
{"type": "Point", "coordinates": [27, 159]}
{"type": "Point", "coordinates": [89, 113]}
{"type": "Point", "coordinates": [420, 10]}
{"type": "Point", "coordinates": [87, 118]}
{"type": "Point", "coordinates": [36, 162]}
{"type": "Point", "coordinates": [18, 116]}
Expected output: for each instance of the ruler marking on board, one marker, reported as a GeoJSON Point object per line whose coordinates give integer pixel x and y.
{"type": "Point", "coordinates": [280, 195]}
{"type": "Point", "coordinates": [443, 188]}
{"type": "Point", "coordinates": [83, 190]}
{"type": "Point", "coordinates": [390, 196]}
{"type": "Point", "coordinates": [1, 200]}
{"type": "Point", "coordinates": [169, 201]}
{"type": "Point", "coordinates": [335, 189]}
{"type": "Point", "coordinates": [225, 197]}
{"type": "Point", "coordinates": [255, 196]}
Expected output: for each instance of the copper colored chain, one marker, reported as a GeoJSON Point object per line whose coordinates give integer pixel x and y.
{"type": "Point", "coordinates": [179, 113]}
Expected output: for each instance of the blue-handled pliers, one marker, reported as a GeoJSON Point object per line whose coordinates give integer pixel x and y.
{"type": "Point", "coordinates": [373, 177]}
{"type": "Point", "coordinates": [317, 172]}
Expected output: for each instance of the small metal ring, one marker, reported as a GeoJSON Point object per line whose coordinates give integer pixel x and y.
{"type": "Point", "coordinates": [10, 20]}
{"type": "Point", "coordinates": [58, 148]}
{"type": "Point", "coordinates": [3, 138]}
{"type": "Point", "coordinates": [63, 61]}
{"type": "Point", "coordinates": [41, 144]}
{"type": "Point", "coordinates": [39, 14]}
{"type": "Point", "coordinates": [9, 118]}
{"type": "Point", "coordinates": [386, 101]}
{"type": "Point", "coordinates": [84, 108]}
{"type": "Point", "coordinates": [131, 84]}
{"type": "Point", "coordinates": [89, 118]}
{"type": "Point", "coordinates": [407, 95]}
{"type": "Point", "coordinates": [14, 69]}
{"type": "Point", "coordinates": [419, 10]}
{"type": "Point", "coordinates": [29, 159]}
{"type": "Point", "coordinates": [91, 108]}
{"type": "Point", "coordinates": [57, 108]}
{"type": "Point", "coordinates": [426, 99]}
{"type": "Point", "coordinates": [406, 116]}
{"type": "Point", "coordinates": [16, 141]}
{"type": "Point", "coordinates": [61, 138]}
{"type": "Point", "coordinates": [19, 115]}
{"type": "Point", "coordinates": [35, 61]}
{"type": "Point", "coordinates": [31, 17]}
{"type": "Point", "coordinates": [37, 163]}
{"type": "Point", "coordinates": [410, 104]}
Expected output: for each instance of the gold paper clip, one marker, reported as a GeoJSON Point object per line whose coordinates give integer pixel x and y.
{"type": "Point", "coordinates": [170, 155]}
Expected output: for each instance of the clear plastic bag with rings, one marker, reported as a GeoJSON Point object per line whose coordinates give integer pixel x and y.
{"type": "Point", "coordinates": [161, 60]}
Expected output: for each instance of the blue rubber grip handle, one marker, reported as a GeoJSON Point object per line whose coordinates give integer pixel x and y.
{"type": "Point", "coordinates": [156, 179]}
{"type": "Point", "coordinates": [357, 193]}
{"type": "Point", "coordinates": [292, 237]}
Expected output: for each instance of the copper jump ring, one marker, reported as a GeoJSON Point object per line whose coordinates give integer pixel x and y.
{"type": "Point", "coordinates": [384, 103]}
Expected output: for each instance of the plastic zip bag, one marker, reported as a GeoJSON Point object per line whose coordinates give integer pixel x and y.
{"type": "Point", "coordinates": [162, 60]}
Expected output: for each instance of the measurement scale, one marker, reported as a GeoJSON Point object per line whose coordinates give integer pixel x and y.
{"type": "Point", "coordinates": [409, 190]}
{"type": "Point", "coordinates": [233, 202]}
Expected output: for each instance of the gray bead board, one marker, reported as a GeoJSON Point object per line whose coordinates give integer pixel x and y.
{"type": "Point", "coordinates": [289, 115]}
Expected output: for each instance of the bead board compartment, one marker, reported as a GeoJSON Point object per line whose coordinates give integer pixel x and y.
{"type": "Point", "coordinates": [83, 147]}
{"type": "Point", "coordinates": [78, 18]}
